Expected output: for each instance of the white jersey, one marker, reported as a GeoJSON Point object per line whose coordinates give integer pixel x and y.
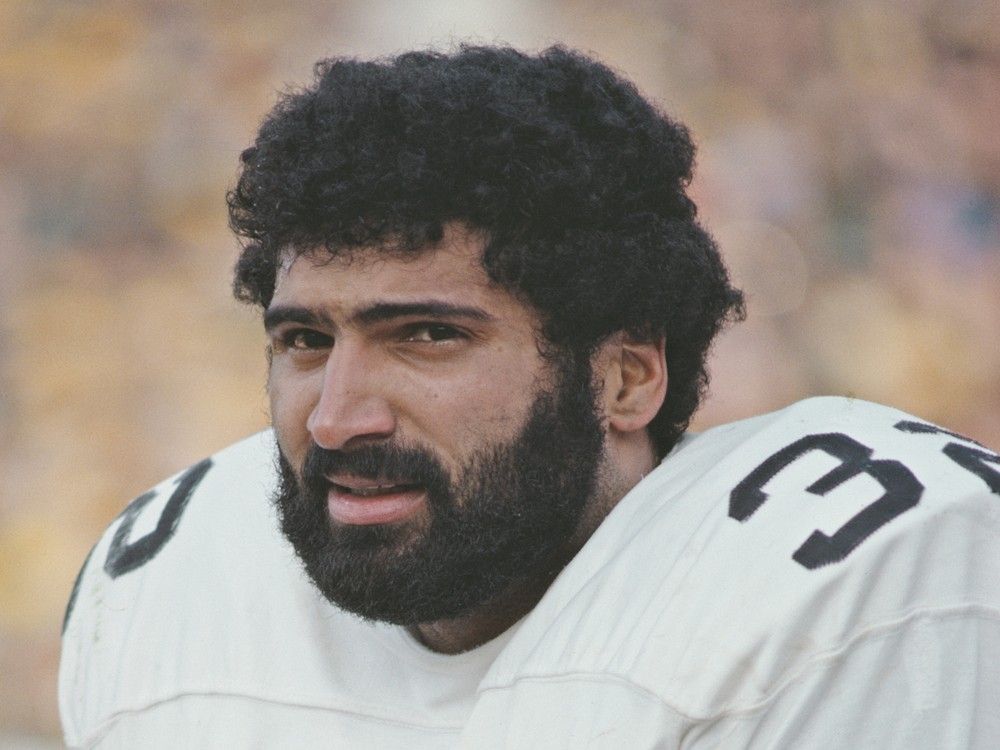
{"type": "Point", "coordinates": [827, 576]}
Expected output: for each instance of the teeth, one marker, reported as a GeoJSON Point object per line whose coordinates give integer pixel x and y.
{"type": "Point", "coordinates": [371, 491]}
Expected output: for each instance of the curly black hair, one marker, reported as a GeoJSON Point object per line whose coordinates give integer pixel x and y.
{"type": "Point", "coordinates": [574, 179]}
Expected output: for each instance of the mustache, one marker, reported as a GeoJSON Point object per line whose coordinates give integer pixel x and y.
{"type": "Point", "coordinates": [382, 462]}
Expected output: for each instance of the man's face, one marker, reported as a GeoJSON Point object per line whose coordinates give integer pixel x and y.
{"type": "Point", "coordinates": [430, 457]}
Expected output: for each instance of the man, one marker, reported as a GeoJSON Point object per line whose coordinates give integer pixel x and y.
{"type": "Point", "coordinates": [488, 303]}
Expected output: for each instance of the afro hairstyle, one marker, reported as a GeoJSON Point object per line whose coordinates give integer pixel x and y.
{"type": "Point", "coordinates": [575, 181]}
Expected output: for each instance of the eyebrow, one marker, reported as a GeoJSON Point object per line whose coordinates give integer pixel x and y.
{"type": "Point", "coordinates": [375, 313]}
{"type": "Point", "coordinates": [275, 316]}
{"type": "Point", "coordinates": [382, 311]}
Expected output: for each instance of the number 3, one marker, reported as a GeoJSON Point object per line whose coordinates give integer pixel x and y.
{"type": "Point", "coordinates": [123, 556]}
{"type": "Point", "coordinates": [902, 492]}
{"type": "Point", "coordinates": [902, 489]}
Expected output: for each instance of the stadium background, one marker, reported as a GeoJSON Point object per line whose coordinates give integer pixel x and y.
{"type": "Point", "coordinates": [849, 165]}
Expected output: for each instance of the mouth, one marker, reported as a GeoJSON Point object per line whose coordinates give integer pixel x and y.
{"type": "Point", "coordinates": [374, 491]}
{"type": "Point", "coordinates": [357, 501]}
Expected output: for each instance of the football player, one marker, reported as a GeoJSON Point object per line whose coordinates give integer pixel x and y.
{"type": "Point", "coordinates": [478, 520]}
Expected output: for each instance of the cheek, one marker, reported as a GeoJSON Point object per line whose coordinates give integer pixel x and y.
{"type": "Point", "coordinates": [489, 408]}
{"type": "Point", "coordinates": [291, 401]}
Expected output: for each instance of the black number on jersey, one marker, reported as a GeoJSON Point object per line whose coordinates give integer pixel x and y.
{"type": "Point", "coordinates": [124, 556]}
{"type": "Point", "coordinates": [902, 492]}
{"type": "Point", "coordinates": [76, 589]}
{"type": "Point", "coordinates": [974, 460]}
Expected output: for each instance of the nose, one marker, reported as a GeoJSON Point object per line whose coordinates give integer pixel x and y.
{"type": "Point", "coordinates": [351, 407]}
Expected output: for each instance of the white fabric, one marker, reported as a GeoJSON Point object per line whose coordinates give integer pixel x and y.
{"type": "Point", "coordinates": [676, 626]}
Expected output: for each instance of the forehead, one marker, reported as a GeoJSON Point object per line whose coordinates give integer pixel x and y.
{"type": "Point", "coordinates": [450, 271]}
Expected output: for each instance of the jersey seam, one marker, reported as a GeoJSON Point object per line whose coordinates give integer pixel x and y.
{"type": "Point", "coordinates": [105, 726]}
{"type": "Point", "coordinates": [825, 658]}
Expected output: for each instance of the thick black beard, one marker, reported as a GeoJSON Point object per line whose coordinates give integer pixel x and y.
{"type": "Point", "coordinates": [506, 521]}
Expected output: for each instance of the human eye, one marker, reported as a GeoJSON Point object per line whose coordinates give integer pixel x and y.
{"type": "Point", "coordinates": [433, 333]}
{"type": "Point", "coordinates": [304, 339]}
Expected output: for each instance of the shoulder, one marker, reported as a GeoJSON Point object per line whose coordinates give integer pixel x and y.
{"type": "Point", "coordinates": [174, 558]}
{"type": "Point", "coordinates": [227, 489]}
{"type": "Point", "coordinates": [226, 493]}
{"type": "Point", "coordinates": [231, 487]}
{"type": "Point", "coordinates": [764, 546]}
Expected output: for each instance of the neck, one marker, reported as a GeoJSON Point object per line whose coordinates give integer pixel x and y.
{"type": "Point", "coordinates": [485, 623]}
{"type": "Point", "coordinates": [453, 636]}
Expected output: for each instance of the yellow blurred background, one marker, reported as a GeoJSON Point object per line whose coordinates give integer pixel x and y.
{"type": "Point", "coordinates": [849, 165]}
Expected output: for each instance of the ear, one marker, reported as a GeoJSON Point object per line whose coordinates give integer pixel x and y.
{"type": "Point", "coordinates": [635, 381]}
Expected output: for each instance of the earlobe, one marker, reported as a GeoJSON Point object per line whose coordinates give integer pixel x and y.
{"type": "Point", "coordinates": [640, 385]}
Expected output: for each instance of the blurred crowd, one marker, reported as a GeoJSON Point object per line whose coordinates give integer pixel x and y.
{"type": "Point", "coordinates": [848, 165]}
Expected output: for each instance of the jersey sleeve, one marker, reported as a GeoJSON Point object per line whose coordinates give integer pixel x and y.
{"type": "Point", "coordinates": [76, 622]}
{"type": "Point", "coordinates": [139, 614]}
{"type": "Point", "coordinates": [825, 577]}
{"type": "Point", "coordinates": [929, 683]}
{"type": "Point", "coordinates": [926, 683]}
{"type": "Point", "coordinates": [99, 611]}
